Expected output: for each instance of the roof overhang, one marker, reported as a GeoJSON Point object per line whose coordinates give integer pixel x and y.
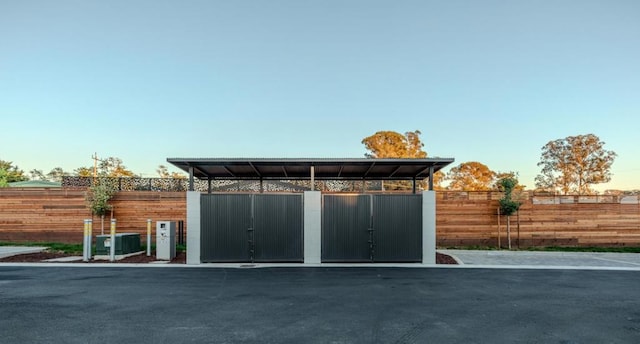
{"type": "Point", "coordinates": [321, 169]}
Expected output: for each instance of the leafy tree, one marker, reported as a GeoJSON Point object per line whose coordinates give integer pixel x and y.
{"type": "Point", "coordinates": [390, 144]}
{"type": "Point", "coordinates": [12, 173]}
{"type": "Point", "coordinates": [471, 176]}
{"type": "Point", "coordinates": [438, 178]}
{"type": "Point", "coordinates": [36, 174]}
{"type": "Point", "coordinates": [83, 172]}
{"type": "Point", "coordinates": [500, 176]}
{"type": "Point", "coordinates": [163, 172]}
{"type": "Point", "coordinates": [574, 164]}
{"type": "Point", "coordinates": [113, 167]}
{"type": "Point", "coordinates": [3, 178]}
{"type": "Point", "coordinates": [508, 206]}
{"type": "Point", "coordinates": [98, 196]}
{"type": "Point", "coordinates": [56, 174]}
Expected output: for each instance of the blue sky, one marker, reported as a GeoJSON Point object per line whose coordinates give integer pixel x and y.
{"type": "Point", "coordinates": [487, 81]}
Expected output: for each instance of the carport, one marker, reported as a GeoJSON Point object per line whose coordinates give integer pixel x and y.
{"type": "Point", "coordinates": [310, 227]}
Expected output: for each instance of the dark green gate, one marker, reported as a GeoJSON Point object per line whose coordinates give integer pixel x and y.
{"type": "Point", "coordinates": [251, 228]}
{"type": "Point", "coordinates": [372, 228]}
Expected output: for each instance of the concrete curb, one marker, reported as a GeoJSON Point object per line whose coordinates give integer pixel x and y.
{"type": "Point", "coordinates": [332, 265]}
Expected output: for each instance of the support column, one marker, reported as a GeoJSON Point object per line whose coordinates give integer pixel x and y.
{"type": "Point", "coordinates": [428, 227]}
{"type": "Point", "coordinates": [190, 178]}
{"type": "Point", "coordinates": [312, 227]}
{"type": "Point", "coordinates": [313, 178]}
{"type": "Point", "coordinates": [193, 227]}
{"type": "Point", "coordinates": [209, 185]}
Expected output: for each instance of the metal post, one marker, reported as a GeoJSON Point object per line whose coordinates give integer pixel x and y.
{"type": "Point", "coordinates": [84, 241]}
{"type": "Point", "coordinates": [414, 185]}
{"type": "Point", "coordinates": [190, 178]}
{"type": "Point", "coordinates": [90, 239]}
{"type": "Point", "coordinates": [431, 173]}
{"type": "Point", "coordinates": [112, 250]}
{"type": "Point", "coordinates": [148, 237]}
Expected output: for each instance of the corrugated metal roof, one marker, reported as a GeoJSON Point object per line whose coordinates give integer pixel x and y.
{"type": "Point", "coordinates": [35, 184]}
{"type": "Point", "coordinates": [300, 168]}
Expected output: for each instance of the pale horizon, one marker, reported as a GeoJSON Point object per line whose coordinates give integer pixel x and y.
{"type": "Point", "coordinates": [144, 80]}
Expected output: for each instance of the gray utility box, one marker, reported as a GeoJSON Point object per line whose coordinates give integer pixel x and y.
{"type": "Point", "coordinates": [125, 243]}
{"type": "Point", "coordinates": [165, 240]}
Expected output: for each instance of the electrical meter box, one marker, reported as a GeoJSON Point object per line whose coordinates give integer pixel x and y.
{"type": "Point", "coordinates": [165, 240]}
{"type": "Point", "coordinates": [125, 243]}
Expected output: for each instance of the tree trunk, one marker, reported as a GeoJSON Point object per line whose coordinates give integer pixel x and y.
{"type": "Point", "coordinates": [102, 224]}
{"type": "Point", "coordinates": [518, 219]}
{"type": "Point", "coordinates": [509, 230]}
{"type": "Point", "coordinates": [499, 229]}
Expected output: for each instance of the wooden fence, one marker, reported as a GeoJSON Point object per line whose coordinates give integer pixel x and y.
{"type": "Point", "coordinates": [463, 218]}
{"type": "Point", "coordinates": [56, 215]}
{"type": "Point", "coordinates": [471, 218]}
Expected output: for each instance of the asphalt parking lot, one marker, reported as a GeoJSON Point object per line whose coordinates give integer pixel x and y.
{"type": "Point", "coordinates": [317, 305]}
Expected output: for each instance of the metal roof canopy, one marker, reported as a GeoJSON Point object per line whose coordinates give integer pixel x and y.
{"type": "Point", "coordinates": [310, 169]}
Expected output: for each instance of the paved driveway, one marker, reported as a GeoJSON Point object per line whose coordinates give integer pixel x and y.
{"type": "Point", "coordinates": [551, 259]}
{"type": "Point", "coordinates": [317, 305]}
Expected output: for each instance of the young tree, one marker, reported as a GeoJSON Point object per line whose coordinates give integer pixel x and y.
{"type": "Point", "coordinates": [98, 196]}
{"type": "Point", "coordinates": [500, 176]}
{"type": "Point", "coordinates": [574, 164]}
{"type": "Point", "coordinates": [508, 206]}
{"type": "Point", "coordinates": [471, 176]}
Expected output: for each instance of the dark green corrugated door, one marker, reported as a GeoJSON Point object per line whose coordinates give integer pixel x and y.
{"type": "Point", "coordinates": [346, 224]}
{"type": "Point", "coordinates": [278, 228]}
{"type": "Point", "coordinates": [225, 226]}
{"type": "Point", "coordinates": [397, 223]}
{"type": "Point", "coordinates": [251, 228]}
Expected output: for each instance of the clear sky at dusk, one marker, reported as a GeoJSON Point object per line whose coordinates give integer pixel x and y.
{"type": "Point", "coordinates": [487, 81]}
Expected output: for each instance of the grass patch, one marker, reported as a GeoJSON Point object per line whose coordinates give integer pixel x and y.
{"type": "Point", "coordinates": [76, 249]}
{"type": "Point", "coordinates": [53, 246]}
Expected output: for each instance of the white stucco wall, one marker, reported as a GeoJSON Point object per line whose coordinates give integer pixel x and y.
{"type": "Point", "coordinates": [312, 227]}
{"type": "Point", "coordinates": [428, 227]}
{"type": "Point", "coordinates": [193, 227]}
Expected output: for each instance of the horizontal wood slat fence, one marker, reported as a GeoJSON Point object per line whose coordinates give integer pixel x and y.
{"type": "Point", "coordinates": [57, 215]}
{"type": "Point", "coordinates": [463, 218]}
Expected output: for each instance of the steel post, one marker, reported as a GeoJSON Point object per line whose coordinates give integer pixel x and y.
{"type": "Point", "coordinates": [84, 241]}
{"type": "Point", "coordinates": [148, 237]}
{"type": "Point", "coordinates": [112, 248]}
